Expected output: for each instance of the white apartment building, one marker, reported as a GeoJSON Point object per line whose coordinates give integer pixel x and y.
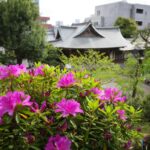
{"type": "Point", "coordinates": [106, 15]}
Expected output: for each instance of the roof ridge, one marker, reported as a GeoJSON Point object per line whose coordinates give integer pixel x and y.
{"type": "Point", "coordinates": [116, 27]}
{"type": "Point", "coordinates": [86, 27]}
{"type": "Point", "coordinates": [63, 26]}
{"type": "Point", "coordinates": [78, 24]}
{"type": "Point", "coordinates": [110, 3]}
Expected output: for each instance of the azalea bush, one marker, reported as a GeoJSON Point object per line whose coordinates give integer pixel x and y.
{"type": "Point", "coordinates": [53, 109]}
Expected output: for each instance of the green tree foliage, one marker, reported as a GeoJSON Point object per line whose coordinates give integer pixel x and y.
{"type": "Point", "coordinates": [146, 66]}
{"type": "Point", "coordinates": [145, 35]}
{"type": "Point", "coordinates": [51, 56]}
{"type": "Point", "coordinates": [127, 26]}
{"type": "Point", "coordinates": [19, 30]}
{"type": "Point", "coordinates": [146, 108]}
{"type": "Point", "coordinates": [99, 65]}
{"type": "Point", "coordinates": [7, 57]}
{"type": "Point", "coordinates": [33, 43]}
{"type": "Point", "coordinates": [128, 77]}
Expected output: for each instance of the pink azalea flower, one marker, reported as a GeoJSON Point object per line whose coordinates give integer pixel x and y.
{"type": "Point", "coordinates": [35, 107]}
{"type": "Point", "coordinates": [112, 95]}
{"type": "Point", "coordinates": [68, 107]}
{"type": "Point", "coordinates": [11, 70]}
{"type": "Point", "coordinates": [107, 136]}
{"type": "Point", "coordinates": [97, 91]}
{"type": "Point", "coordinates": [139, 129]}
{"type": "Point", "coordinates": [63, 127]}
{"type": "Point", "coordinates": [9, 102]}
{"type": "Point", "coordinates": [86, 76]}
{"type": "Point", "coordinates": [29, 138]}
{"type": "Point", "coordinates": [3, 72]}
{"type": "Point", "coordinates": [16, 70]}
{"type": "Point", "coordinates": [121, 114]}
{"type": "Point", "coordinates": [66, 81]}
{"type": "Point", "coordinates": [58, 143]}
{"type": "Point", "coordinates": [127, 145]}
{"type": "Point", "coordinates": [37, 71]}
{"type": "Point", "coordinates": [1, 121]}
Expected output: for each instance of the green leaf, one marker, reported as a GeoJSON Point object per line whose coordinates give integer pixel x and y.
{"type": "Point", "coordinates": [108, 109]}
{"type": "Point", "coordinates": [93, 104]}
{"type": "Point", "coordinates": [17, 118]}
{"type": "Point", "coordinates": [34, 148]}
{"type": "Point", "coordinates": [102, 111]}
{"type": "Point", "coordinates": [132, 109]}
{"type": "Point", "coordinates": [73, 124]}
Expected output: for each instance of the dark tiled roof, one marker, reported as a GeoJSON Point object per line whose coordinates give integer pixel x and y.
{"type": "Point", "coordinates": [77, 37]}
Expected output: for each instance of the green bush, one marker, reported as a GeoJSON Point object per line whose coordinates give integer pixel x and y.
{"type": "Point", "coordinates": [70, 107]}
{"type": "Point", "coordinates": [146, 108]}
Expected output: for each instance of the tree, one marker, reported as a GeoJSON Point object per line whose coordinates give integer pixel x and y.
{"type": "Point", "coordinates": [52, 55]}
{"type": "Point", "coordinates": [127, 26]}
{"type": "Point", "coordinates": [99, 65]}
{"type": "Point", "coordinates": [19, 30]}
{"type": "Point", "coordinates": [146, 65]}
{"type": "Point", "coordinates": [127, 77]}
{"type": "Point", "coordinates": [7, 57]}
{"type": "Point", "coordinates": [33, 44]}
{"type": "Point", "coordinates": [145, 35]}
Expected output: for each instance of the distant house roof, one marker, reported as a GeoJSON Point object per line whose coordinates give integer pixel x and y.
{"type": "Point", "coordinates": [86, 36]}
{"type": "Point", "coordinates": [42, 18]}
{"type": "Point", "coordinates": [47, 26]}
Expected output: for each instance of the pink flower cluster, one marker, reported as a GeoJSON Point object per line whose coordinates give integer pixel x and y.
{"type": "Point", "coordinates": [66, 81]}
{"type": "Point", "coordinates": [35, 107]}
{"type": "Point", "coordinates": [37, 71]}
{"type": "Point", "coordinates": [97, 91]}
{"type": "Point", "coordinates": [11, 71]}
{"type": "Point", "coordinates": [112, 95]}
{"type": "Point", "coordinates": [127, 145]}
{"type": "Point", "coordinates": [9, 102]}
{"type": "Point", "coordinates": [58, 143]}
{"type": "Point", "coordinates": [68, 107]}
{"type": "Point", "coordinates": [109, 95]}
{"type": "Point", "coordinates": [121, 114]}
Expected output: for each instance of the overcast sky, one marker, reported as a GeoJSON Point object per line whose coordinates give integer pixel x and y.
{"type": "Point", "coordinates": [70, 10]}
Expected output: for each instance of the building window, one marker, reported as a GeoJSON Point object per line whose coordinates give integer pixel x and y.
{"type": "Point", "coordinates": [139, 11]}
{"type": "Point", "coordinates": [139, 23]}
{"type": "Point", "coordinates": [98, 13]}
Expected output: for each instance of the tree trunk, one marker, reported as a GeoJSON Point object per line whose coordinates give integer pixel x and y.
{"type": "Point", "coordinates": [134, 90]}
{"type": "Point", "coordinates": [19, 60]}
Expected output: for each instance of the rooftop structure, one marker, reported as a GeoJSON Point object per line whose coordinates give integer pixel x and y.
{"type": "Point", "coordinates": [59, 23]}
{"type": "Point", "coordinates": [44, 22]}
{"type": "Point", "coordinates": [84, 36]}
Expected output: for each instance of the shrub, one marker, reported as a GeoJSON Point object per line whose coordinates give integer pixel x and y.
{"type": "Point", "coordinates": [48, 108]}
{"type": "Point", "coordinates": [146, 108]}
